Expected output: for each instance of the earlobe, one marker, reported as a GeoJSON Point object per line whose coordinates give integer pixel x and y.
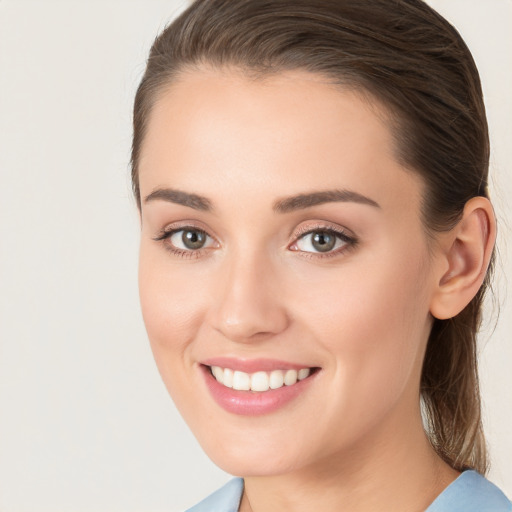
{"type": "Point", "coordinates": [469, 247]}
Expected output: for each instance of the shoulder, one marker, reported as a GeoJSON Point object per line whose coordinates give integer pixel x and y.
{"type": "Point", "coordinates": [226, 499]}
{"type": "Point", "coordinates": [471, 492]}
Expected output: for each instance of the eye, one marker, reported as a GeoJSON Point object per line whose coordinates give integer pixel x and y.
{"type": "Point", "coordinates": [189, 239]}
{"type": "Point", "coordinates": [322, 241]}
{"type": "Point", "coordinates": [186, 239]}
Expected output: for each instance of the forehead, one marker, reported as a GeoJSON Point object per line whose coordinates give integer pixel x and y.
{"type": "Point", "coordinates": [288, 132]}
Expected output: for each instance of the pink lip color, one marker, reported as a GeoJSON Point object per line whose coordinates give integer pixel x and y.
{"type": "Point", "coordinates": [252, 365]}
{"type": "Point", "coordinates": [251, 403]}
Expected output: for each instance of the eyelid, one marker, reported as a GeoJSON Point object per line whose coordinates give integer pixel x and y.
{"type": "Point", "coordinates": [322, 226]}
{"type": "Point", "coordinates": [174, 227]}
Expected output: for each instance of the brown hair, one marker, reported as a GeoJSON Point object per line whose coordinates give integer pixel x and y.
{"type": "Point", "coordinates": [414, 62]}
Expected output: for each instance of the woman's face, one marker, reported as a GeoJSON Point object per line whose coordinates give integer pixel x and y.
{"type": "Point", "coordinates": [279, 233]}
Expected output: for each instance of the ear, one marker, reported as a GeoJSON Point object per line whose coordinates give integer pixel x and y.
{"type": "Point", "coordinates": [465, 254]}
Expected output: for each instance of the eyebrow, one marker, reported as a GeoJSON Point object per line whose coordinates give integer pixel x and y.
{"type": "Point", "coordinates": [179, 197]}
{"type": "Point", "coordinates": [302, 201]}
{"type": "Point", "coordinates": [286, 205]}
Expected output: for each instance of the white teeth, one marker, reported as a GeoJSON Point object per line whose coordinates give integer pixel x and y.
{"type": "Point", "coordinates": [276, 379]}
{"type": "Point", "coordinates": [241, 381]}
{"type": "Point", "coordinates": [290, 377]}
{"type": "Point", "coordinates": [259, 381]}
{"type": "Point", "coordinates": [303, 373]}
{"type": "Point", "coordinates": [218, 373]}
{"type": "Point", "coordinates": [228, 378]}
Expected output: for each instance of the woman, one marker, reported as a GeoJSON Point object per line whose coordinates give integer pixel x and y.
{"type": "Point", "coordinates": [316, 243]}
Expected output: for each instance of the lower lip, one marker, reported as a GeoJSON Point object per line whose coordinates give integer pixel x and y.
{"type": "Point", "coordinates": [253, 403]}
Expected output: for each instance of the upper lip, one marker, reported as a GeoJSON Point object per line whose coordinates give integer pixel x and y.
{"type": "Point", "coordinates": [253, 365]}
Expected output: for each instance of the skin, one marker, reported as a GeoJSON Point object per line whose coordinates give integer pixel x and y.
{"type": "Point", "coordinates": [353, 440]}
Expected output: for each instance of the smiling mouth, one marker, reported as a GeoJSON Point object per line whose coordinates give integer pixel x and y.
{"type": "Point", "coordinates": [259, 381]}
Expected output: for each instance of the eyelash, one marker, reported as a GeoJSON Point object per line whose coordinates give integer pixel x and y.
{"type": "Point", "coordinates": [349, 241]}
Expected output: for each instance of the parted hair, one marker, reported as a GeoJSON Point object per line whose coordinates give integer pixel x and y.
{"type": "Point", "coordinates": [406, 56]}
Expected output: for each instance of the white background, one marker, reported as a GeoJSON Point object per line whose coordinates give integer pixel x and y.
{"type": "Point", "coordinates": [85, 423]}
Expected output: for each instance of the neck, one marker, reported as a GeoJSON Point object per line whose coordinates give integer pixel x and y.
{"type": "Point", "coordinates": [385, 471]}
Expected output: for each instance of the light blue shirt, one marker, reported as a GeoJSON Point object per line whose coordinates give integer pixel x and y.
{"type": "Point", "coordinates": [470, 492]}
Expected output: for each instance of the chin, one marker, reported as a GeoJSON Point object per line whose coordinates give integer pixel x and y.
{"type": "Point", "coordinates": [247, 465]}
{"type": "Point", "coordinates": [249, 454]}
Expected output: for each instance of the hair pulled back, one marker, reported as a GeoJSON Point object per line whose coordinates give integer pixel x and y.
{"type": "Point", "coordinates": [415, 63]}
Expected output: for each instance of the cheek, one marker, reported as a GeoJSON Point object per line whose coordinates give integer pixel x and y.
{"type": "Point", "coordinates": [372, 319]}
{"type": "Point", "coordinates": [171, 303]}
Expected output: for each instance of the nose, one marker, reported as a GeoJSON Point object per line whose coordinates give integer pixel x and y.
{"type": "Point", "coordinates": [248, 304]}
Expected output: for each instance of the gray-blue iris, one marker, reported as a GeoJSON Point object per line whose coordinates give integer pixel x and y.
{"type": "Point", "coordinates": [323, 241]}
{"type": "Point", "coordinates": [193, 239]}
